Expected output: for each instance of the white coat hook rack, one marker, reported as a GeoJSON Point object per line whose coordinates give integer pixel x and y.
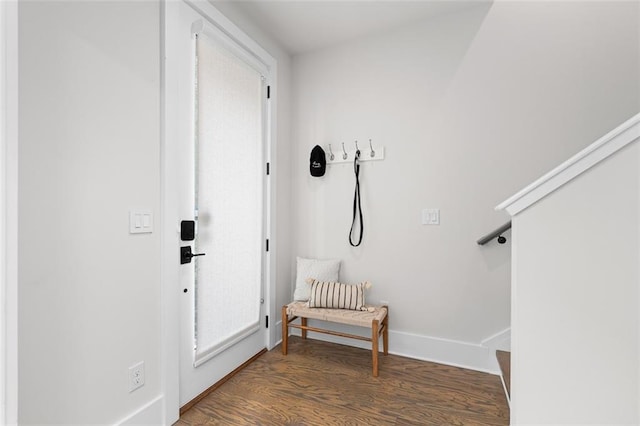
{"type": "Point", "coordinates": [370, 153]}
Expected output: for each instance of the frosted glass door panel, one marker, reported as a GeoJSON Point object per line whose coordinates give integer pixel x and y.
{"type": "Point", "coordinates": [228, 198]}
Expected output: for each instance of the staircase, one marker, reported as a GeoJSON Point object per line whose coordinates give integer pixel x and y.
{"type": "Point", "coordinates": [605, 173]}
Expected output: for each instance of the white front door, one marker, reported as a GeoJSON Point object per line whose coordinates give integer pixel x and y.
{"type": "Point", "coordinates": [220, 166]}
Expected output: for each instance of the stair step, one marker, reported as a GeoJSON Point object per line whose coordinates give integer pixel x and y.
{"type": "Point", "coordinates": [504, 360]}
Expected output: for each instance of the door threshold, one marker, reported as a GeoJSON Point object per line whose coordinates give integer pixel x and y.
{"type": "Point", "coordinates": [189, 405]}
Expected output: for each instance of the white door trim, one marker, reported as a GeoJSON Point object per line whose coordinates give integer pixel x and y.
{"type": "Point", "coordinates": [170, 219]}
{"type": "Point", "coordinates": [9, 212]}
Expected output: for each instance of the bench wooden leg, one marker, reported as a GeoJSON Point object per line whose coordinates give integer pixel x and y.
{"type": "Point", "coordinates": [303, 322]}
{"type": "Point", "coordinates": [385, 334]}
{"type": "Point", "coordinates": [285, 330]}
{"type": "Point", "coordinates": [374, 346]}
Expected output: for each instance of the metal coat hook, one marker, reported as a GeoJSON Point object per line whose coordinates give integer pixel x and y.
{"type": "Point", "coordinates": [354, 153]}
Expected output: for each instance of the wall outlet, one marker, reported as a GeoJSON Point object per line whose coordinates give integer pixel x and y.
{"type": "Point", "coordinates": [136, 376]}
{"type": "Point", "coordinates": [384, 302]}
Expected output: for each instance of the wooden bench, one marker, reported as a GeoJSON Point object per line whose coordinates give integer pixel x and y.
{"type": "Point", "coordinates": [377, 320]}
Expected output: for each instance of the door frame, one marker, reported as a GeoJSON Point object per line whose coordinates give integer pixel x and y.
{"type": "Point", "coordinates": [169, 218]}
{"type": "Point", "coordinates": [9, 212]}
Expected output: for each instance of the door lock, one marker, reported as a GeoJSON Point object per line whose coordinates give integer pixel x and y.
{"type": "Point", "coordinates": [186, 255]}
{"type": "Point", "coordinates": [188, 230]}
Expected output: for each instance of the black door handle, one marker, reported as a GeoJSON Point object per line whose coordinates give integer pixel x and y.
{"type": "Point", "coordinates": [186, 255]}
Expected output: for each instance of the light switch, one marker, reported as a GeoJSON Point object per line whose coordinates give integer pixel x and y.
{"type": "Point", "coordinates": [140, 221]}
{"type": "Point", "coordinates": [431, 216]}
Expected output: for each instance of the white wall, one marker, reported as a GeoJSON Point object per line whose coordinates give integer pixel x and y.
{"type": "Point", "coordinates": [8, 212]}
{"type": "Point", "coordinates": [89, 292]}
{"type": "Point", "coordinates": [576, 300]}
{"type": "Point", "coordinates": [470, 107]}
{"type": "Point", "coordinates": [90, 150]}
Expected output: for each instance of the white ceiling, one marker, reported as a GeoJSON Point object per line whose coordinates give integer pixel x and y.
{"type": "Point", "coordinates": [304, 25]}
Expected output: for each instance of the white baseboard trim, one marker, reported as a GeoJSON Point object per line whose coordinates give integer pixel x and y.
{"type": "Point", "coordinates": [151, 413]}
{"type": "Point", "coordinates": [499, 341]}
{"type": "Point", "coordinates": [472, 356]}
{"type": "Point", "coordinates": [278, 334]}
{"type": "Point", "coordinates": [443, 351]}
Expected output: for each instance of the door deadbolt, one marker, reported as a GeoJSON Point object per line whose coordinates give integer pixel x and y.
{"type": "Point", "coordinates": [188, 230]}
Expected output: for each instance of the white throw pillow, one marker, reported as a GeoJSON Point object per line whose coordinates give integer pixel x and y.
{"type": "Point", "coordinates": [323, 270]}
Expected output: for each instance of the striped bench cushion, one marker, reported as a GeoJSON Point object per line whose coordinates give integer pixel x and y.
{"type": "Point", "coordinates": [327, 294]}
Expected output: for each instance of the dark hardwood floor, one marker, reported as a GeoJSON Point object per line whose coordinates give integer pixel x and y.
{"type": "Point", "coordinates": [321, 383]}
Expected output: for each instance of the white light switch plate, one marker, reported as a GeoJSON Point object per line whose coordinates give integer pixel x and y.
{"type": "Point", "coordinates": [140, 221]}
{"type": "Point", "coordinates": [431, 217]}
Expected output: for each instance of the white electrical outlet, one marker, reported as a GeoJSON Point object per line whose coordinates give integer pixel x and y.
{"type": "Point", "coordinates": [136, 376]}
{"type": "Point", "coordinates": [384, 303]}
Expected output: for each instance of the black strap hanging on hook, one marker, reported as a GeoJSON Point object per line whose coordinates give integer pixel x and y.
{"type": "Point", "coordinates": [357, 208]}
